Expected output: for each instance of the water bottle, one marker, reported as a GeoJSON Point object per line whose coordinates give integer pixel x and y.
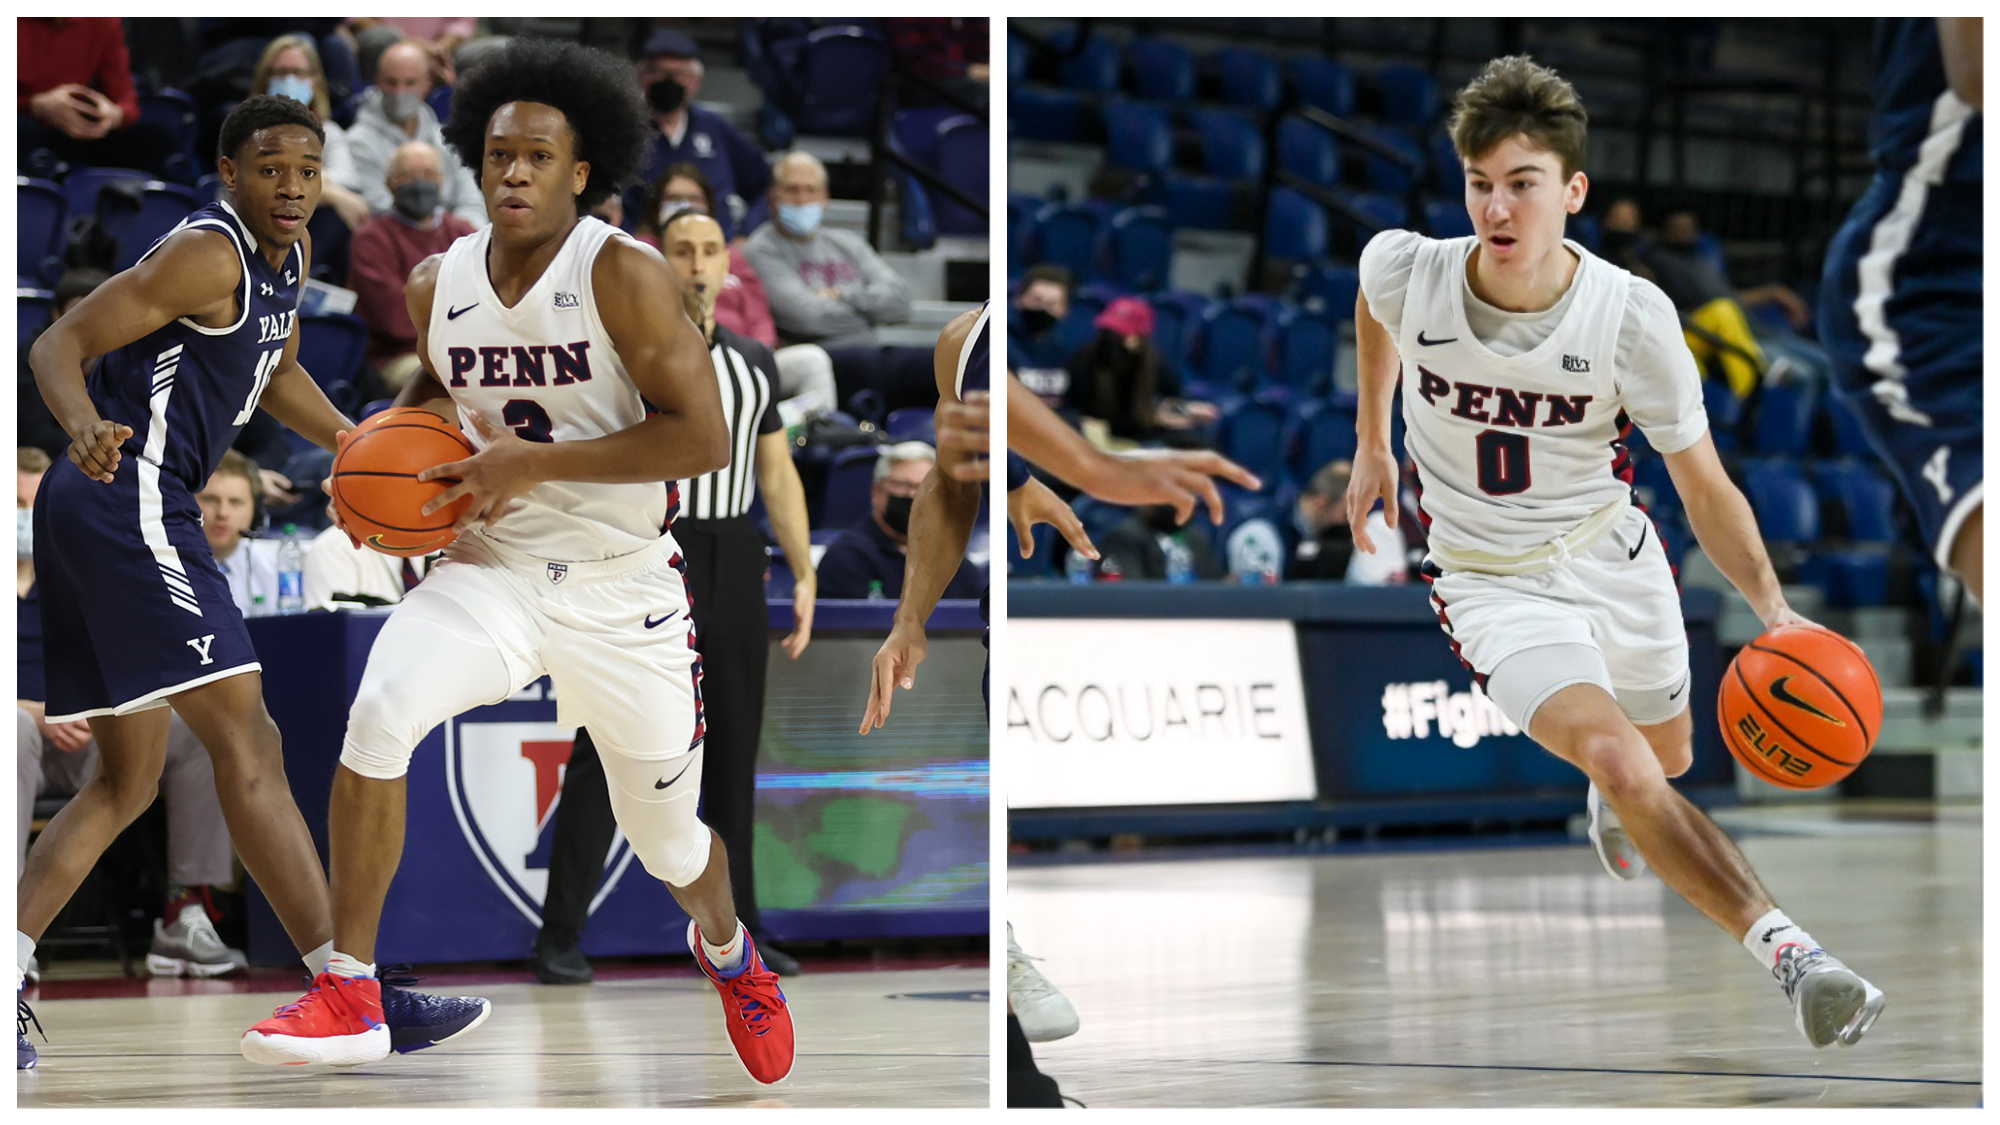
{"type": "Point", "coordinates": [1180, 561]}
{"type": "Point", "coordinates": [291, 573]}
{"type": "Point", "coordinates": [875, 590]}
{"type": "Point", "coordinates": [1079, 569]}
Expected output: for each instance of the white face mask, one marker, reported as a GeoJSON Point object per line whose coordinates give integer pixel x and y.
{"type": "Point", "coordinates": [24, 533]}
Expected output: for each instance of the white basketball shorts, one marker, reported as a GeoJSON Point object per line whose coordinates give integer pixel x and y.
{"type": "Point", "coordinates": [1618, 598]}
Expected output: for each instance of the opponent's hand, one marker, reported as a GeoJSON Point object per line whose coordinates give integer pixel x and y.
{"type": "Point", "coordinates": [494, 477]}
{"type": "Point", "coordinates": [964, 433]}
{"type": "Point", "coordinates": [277, 487]}
{"type": "Point", "coordinates": [895, 666]}
{"type": "Point", "coordinates": [1374, 478]}
{"type": "Point", "coordinates": [1034, 503]}
{"type": "Point", "coordinates": [96, 451]}
{"type": "Point", "coordinates": [340, 440]}
{"type": "Point", "coordinates": [71, 736]}
{"type": "Point", "coordinates": [1179, 478]}
{"type": "Point", "coordinates": [805, 592]}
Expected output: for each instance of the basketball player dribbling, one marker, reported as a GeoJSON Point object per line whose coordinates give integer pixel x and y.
{"type": "Point", "coordinates": [543, 332]}
{"type": "Point", "coordinates": [138, 618]}
{"type": "Point", "coordinates": [1524, 360]}
{"type": "Point", "coordinates": [1902, 314]}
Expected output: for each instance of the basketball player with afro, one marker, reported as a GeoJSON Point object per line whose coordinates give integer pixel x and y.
{"type": "Point", "coordinates": [193, 339]}
{"type": "Point", "coordinates": [1524, 361]}
{"type": "Point", "coordinates": [546, 335]}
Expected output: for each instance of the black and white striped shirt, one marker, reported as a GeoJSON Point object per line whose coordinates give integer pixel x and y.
{"type": "Point", "coordinates": [744, 372]}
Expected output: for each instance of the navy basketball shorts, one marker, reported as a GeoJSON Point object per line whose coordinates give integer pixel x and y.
{"type": "Point", "coordinates": [134, 609]}
{"type": "Point", "coordinates": [1900, 314]}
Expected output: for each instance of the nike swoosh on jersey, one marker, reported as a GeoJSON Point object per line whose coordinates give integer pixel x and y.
{"type": "Point", "coordinates": [653, 623]}
{"type": "Point", "coordinates": [676, 777]}
{"type": "Point", "coordinates": [1428, 343]}
{"type": "Point", "coordinates": [1634, 552]}
{"type": "Point", "coordinates": [1782, 692]}
{"type": "Point", "coordinates": [454, 314]}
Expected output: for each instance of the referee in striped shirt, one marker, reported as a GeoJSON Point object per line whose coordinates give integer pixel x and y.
{"type": "Point", "coordinates": [725, 579]}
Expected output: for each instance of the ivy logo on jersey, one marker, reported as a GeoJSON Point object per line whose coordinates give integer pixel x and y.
{"type": "Point", "coordinates": [566, 301]}
{"type": "Point", "coordinates": [558, 572]}
{"type": "Point", "coordinates": [1576, 365]}
{"type": "Point", "coordinates": [505, 784]}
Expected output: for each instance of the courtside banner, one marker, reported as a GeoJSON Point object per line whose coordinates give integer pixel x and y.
{"type": "Point", "coordinates": [1105, 712]}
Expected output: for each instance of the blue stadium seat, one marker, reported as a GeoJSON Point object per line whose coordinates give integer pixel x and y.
{"type": "Point", "coordinates": [1388, 176]}
{"type": "Point", "coordinates": [1409, 94]}
{"type": "Point", "coordinates": [1320, 432]}
{"type": "Point", "coordinates": [1308, 151]}
{"type": "Point", "coordinates": [840, 73]}
{"type": "Point", "coordinates": [1335, 286]}
{"type": "Point", "coordinates": [161, 209]}
{"type": "Point", "coordinates": [1230, 145]}
{"type": "Point", "coordinates": [1249, 78]}
{"type": "Point", "coordinates": [1849, 439]}
{"type": "Point", "coordinates": [1447, 171]}
{"type": "Point", "coordinates": [1042, 564]}
{"type": "Point", "coordinates": [848, 482]}
{"type": "Point", "coordinates": [1784, 420]}
{"type": "Point", "coordinates": [439, 99]}
{"type": "Point", "coordinates": [1161, 69]}
{"type": "Point", "coordinates": [176, 111]}
{"type": "Point", "coordinates": [1725, 412]}
{"type": "Point", "coordinates": [39, 218]}
{"type": "Point", "coordinates": [1784, 504]}
{"type": "Point", "coordinates": [1017, 61]}
{"type": "Point", "coordinates": [1446, 218]}
{"type": "Point", "coordinates": [31, 310]}
{"type": "Point", "coordinates": [81, 188]}
{"type": "Point", "coordinates": [1228, 346]}
{"type": "Point", "coordinates": [1324, 83]}
{"type": "Point", "coordinates": [963, 156]}
{"type": "Point", "coordinates": [1849, 579]}
{"type": "Point", "coordinates": [1068, 235]}
{"type": "Point", "coordinates": [1021, 243]}
{"type": "Point", "coordinates": [331, 350]}
{"type": "Point", "coordinates": [1203, 202]}
{"type": "Point", "coordinates": [1138, 135]}
{"type": "Point", "coordinates": [1653, 483]}
{"type": "Point", "coordinates": [915, 131]}
{"type": "Point", "coordinates": [913, 423]}
{"type": "Point", "coordinates": [1865, 500]}
{"type": "Point", "coordinates": [1044, 115]}
{"type": "Point", "coordinates": [1139, 245]}
{"type": "Point", "coordinates": [1094, 69]}
{"type": "Point", "coordinates": [208, 189]}
{"type": "Point", "coordinates": [1172, 315]}
{"type": "Point", "coordinates": [1251, 434]}
{"type": "Point", "coordinates": [1301, 344]}
{"type": "Point", "coordinates": [1386, 210]}
{"type": "Point", "coordinates": [1295, 227]}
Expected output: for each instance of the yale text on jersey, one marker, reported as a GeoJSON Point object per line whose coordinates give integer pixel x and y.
{"type": "Point", "coordinates": [275, 328]}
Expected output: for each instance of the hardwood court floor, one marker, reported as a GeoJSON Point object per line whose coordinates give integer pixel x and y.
{"type": "Point", "coordinates": [1520, 976]}
{"type": "Point", "coordinates": [867, 1038]}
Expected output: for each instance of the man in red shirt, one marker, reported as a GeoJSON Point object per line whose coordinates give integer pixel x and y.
{"type": "Point", "coordinates": [389, 245]}
{"type": "Point", "coordinates": [75, 97]}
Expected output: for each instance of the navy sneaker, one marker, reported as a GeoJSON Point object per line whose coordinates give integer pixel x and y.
{"type": "Point", "coordinates": [418, 1020]}
{"type": "Point", "coordinates": [23, 1016]}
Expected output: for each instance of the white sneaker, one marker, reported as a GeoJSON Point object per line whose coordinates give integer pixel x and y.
{"type": "Point", "coordinates": [191, 948]}
{"type": "Point", "coordinates": [1830, 1001]}
{"type": "Point", "coordinates": [34, 971]}
{"type": "Point", "coordinates": [1615, 850]}
{"type": "Point", "coordinates": [1045, 1013]}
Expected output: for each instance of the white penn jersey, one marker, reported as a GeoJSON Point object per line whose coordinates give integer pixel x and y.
{"type": "Point", "coordinates": [1518, 428]}
{"type": "Point", "coordinates": [547, 370]}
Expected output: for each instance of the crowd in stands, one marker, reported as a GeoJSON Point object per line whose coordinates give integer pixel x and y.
{"type": "Point", "coordinates": [1233, 139]}
{"type": "Point", "coordinates": [118, 128]}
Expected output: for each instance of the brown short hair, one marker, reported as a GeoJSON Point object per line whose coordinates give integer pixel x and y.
{"type": "Point", "coordinates": [1518, 96]}
{"type": "Point", "coordinates": [28, 459]}
{"type": "Point", "coordinates": [234, 463]}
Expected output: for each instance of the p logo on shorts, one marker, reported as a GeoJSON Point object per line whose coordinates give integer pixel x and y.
{"type": "Point", "coordinates": [558, 572]}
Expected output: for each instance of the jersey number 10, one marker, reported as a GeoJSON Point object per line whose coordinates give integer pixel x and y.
{"type": "Point", "coordinates": [266, 364]}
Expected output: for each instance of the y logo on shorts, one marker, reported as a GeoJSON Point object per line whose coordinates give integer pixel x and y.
{"type": "Point", "coordinates": [201, 645]}
{"type": "Point", "coordinates": [1936, 473]}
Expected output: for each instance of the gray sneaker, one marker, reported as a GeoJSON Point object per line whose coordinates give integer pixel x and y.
{"type": "Point", "coordinates": [1045, 1013]}
{"type": "Point", "coordinates": [1615, 850]}
{"type": "Point", "coordinates": [1832, 1001]}
{"type": "Point", "coordinates": [190, 948]}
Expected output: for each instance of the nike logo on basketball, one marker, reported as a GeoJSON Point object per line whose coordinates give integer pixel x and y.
{"type": "Point", "coordinates": [1428, 343]}
{"type": "Point", "coordinates": [1776, 929]}
{"type": "Point", "coordinates": [454, 314]}
{"type": "Point", "coordinates": [677, 777]}
{"type": "Point", "coordinates": [656, 622]}
{"type": "Point", "coordinates": [1634, 552]}
{"type": "Point", "coordinates": [1781, 691]}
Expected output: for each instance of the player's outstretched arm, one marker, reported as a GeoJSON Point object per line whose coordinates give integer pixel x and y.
{"type": "Point", "coordinates": [1146, 476]}
{"type": "Point", "coordinates": [785, 502]}
{"type": "Point", "coordinates": [196, 274]}
{"type": "Point", "coordinates": [1727, 530]}
{"type": "Point", "coordinates": [294, 399]}
{"type": "Point", "coordinates": [1375, 475]}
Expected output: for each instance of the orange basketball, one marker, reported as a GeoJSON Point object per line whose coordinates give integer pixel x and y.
{"type": "Point", "coordinates": [375, 485]}
{"type": "Point", "coordinates": [1800, 707]}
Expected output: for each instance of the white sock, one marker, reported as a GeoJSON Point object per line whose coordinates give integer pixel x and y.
{"type": "Point", "coordinates": [24, 952]}
{"type": "Point", "coordinates": [316, 960]}
{"type": "Point", "coordinates": [728, 957]}
{"type": "Point", "coordinates": [1773, 932]}
{"type": "Point", "coordinates": [341, 965]}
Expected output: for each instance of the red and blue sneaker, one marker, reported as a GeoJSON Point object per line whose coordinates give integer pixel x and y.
{"type": "Point", "coordinates": [760, 1023]}
{"type": "Point", "coordinates": [418, 1020]}
{"type": "Point", "coordinates": [338, 1022]}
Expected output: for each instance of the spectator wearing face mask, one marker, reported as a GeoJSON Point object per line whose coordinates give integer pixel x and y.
{"type": "Point", "coordinates": [1121, 379]}
{"type": "Point", "coordinates": [393, 114]}
{"type": "Point", "coordinates": [827, 287]}
{"type": "Point", "coordinates": [1326, 542]}
{"type": "Point", "coordinates": [873, 551]}
{"type": "Point", "coordinates": [669, 75]}
{"type": "Point", "coordinates": [1034, 351]}
{"type": "Point", "coordinates": [390, 246]}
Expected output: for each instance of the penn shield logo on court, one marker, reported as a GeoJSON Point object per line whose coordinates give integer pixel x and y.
{"type": "Point", "coordinates": [505, 783]}
{"type": "Point", "coordinates": [1431, 709]}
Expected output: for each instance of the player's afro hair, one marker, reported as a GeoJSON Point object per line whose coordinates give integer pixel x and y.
{"type": "Point", "coordinates": [595, 92]}
{"type": "Point", "coordinates": [263, 112]}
